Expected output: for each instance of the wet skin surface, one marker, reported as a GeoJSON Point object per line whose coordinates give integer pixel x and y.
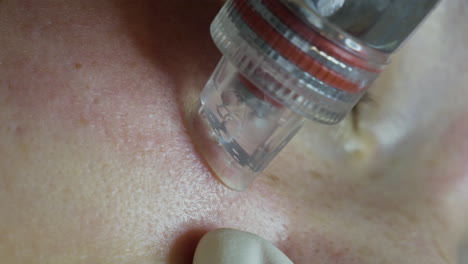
{"type": "Point", "coordinates": [97, 164]}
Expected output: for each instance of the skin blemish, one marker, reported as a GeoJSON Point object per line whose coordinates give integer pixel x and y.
{"type": "Point", "coordinates": [78, 65]}
{"type": "Point", "coordinates": [274, 179]}
{"type": "Point", "coordinates": [18, 130]}
{"type": "Point", "coordinates": [317, 175]}
{"type": "Point", "coordinates": [84, 122]}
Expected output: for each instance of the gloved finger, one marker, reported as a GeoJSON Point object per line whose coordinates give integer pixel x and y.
{"type": "Point", "coordinates": [230, 246]}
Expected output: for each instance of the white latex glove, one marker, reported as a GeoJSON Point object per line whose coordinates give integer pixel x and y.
{"type": "Point", "coordinates": [230, 246]}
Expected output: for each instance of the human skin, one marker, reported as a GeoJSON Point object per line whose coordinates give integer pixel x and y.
{"type": "Point", "coordinates": [98, 165]}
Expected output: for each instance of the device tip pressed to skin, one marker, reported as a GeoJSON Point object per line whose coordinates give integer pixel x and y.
{"type": "Point", "coordinates": [287, 61]}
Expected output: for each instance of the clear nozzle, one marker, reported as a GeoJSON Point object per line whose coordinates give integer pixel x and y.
{"type": "Point", "coordinates": [283, 62]}
{"type": "Point", "coordinates": [247, 127]}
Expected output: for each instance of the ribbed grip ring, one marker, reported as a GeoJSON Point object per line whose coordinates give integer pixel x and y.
{"type": "Point", "coordinates": [289, 61]}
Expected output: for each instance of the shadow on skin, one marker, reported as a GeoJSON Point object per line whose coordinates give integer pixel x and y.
{"type": "Point", "coordinates": [183, 249]}
{"type": "Point", "coordinates": [174, 36]}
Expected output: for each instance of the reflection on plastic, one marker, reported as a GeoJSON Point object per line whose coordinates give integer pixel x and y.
{"type": "Point", "coordinates": [248, 128]}
{"type": "Point", "coordinates": [282, 63]}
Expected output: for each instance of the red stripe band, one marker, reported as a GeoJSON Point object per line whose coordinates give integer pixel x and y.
{"type": "Point", "coordinates": [323, 44]}
{"type": "Point", "coordinates": [292, 53]}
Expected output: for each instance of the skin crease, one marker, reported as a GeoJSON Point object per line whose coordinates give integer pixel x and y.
{"type": "Point", "coordinates": [97, 164]}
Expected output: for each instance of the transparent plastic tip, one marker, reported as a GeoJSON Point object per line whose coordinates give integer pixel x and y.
{"type": "Point", "coordinates": [283, 62]}
{"type": "Point", "coordinates": [246, 127]}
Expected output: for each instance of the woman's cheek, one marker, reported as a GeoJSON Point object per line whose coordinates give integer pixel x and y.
{"type": "Point", "coordinates": [450, 170]}
{"type": "Point", "coordinates": [119, 69]}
